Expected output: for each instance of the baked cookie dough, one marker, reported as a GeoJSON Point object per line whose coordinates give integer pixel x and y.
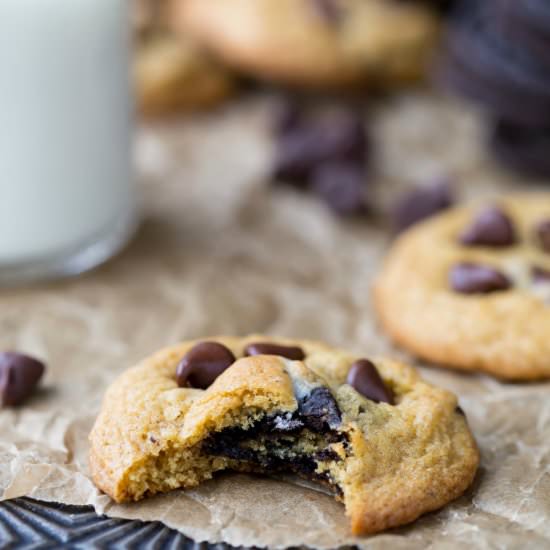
{"type": "Point", "coordinates": [390, 446]}
{"type": "Point", "coordinates": [470, 288]}
{"type": "Point", "coordinates": [315, 43]}
{"type": "Point", "coordinates": [172, 73]}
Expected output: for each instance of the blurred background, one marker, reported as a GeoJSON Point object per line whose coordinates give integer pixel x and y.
{"type": "Point", "coordinates": [254, 170]}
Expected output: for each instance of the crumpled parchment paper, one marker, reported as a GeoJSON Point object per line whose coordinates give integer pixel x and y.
{"type": "Point", "coordinates": [219, 252]}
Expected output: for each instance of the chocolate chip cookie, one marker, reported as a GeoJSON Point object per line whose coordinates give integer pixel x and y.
{"type": "Point", "coordinates": [470, 288]}
{"type": "Point", "coordinates": [390, 446]}
{"type": "Point", "coordinates": [174, 73]}
{"type": "Point", "coordinates": [315, 43]}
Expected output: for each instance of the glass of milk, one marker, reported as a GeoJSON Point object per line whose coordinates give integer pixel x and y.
{"type": "Point", "coordinates": [67, 197]}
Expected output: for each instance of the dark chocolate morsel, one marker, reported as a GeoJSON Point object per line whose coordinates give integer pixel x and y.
{"type": "Point", "coordinates": [459, 411]}
{"type": "Point", "coordinates": [319, 411]}
{"type": "Point", "coordinates": [341, 185]}
{"type": "Point", "coordinates": [491, 227]}
{"type": "Point", "coordinates": [333, 135]}
{"type": "Point", "coordinates": [540, 275]}
{"type": "Point", "coordinates": [19, 375]}
{"type": "Point", "coordinates": [421, 203]}
{"type": "Point", "coordinates": [202, 364]}
{"type": "Point", "coordinates": [365, 379]}
{"type": "Point", "coordinates": [294, 353]}
{"type": "Point", "coordinates": [469, 278]}
{"type": "Point", "coordinates": [287, 116]}
{"type": "Point", "coordinates": [329, 10]}
{"type": "Point", "coordinates": [543, 234]}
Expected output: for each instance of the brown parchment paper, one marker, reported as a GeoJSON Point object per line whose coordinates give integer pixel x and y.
{"type": "Point", "coordinates": [219, 252]}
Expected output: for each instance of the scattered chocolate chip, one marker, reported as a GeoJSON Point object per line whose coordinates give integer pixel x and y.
{"type": "Point", "coordinates": [471, 278]}
{"type": "Point", "coordinates": [319, 411]}
{"type": "Point", "coordinates": [459, 411]}
{"type": "Point", "coordinates": [265, 348]}
{"type": "Point", "coordinates": [19, 375]}
{"type": "Point", "coordinates": [365, 379]}
{"type": "Point", "coordinates": [329, 10]}
{"type": "Point", "coordinates": [421, 203]}
{"type": "Point", "coordinates": [287, 116]}
{"type": "Point", "coordinates": [491, 227]}
{"type": "Point", "coordinates": [543, 234]}
{"type": "Point", "coordinates": [336, 135]}
{"type": "Point", "coordinates": [540, 275]}
{"type": "Point", "coordinates": [341, 185]}
{"type": "Point", "coordinates": [202, 364]}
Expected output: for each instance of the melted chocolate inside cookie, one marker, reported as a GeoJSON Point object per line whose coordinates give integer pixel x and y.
{"type": "Point", "coordinates": [297, 442]}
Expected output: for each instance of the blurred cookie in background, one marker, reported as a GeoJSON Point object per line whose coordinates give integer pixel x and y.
{"type": "Point", "coordinates": [173, 73]}
{"type": "Point", "coordinates": [316, 43]}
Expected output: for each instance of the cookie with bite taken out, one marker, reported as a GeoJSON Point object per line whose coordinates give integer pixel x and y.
{"type": "Point", "coordinates": [390, 446]}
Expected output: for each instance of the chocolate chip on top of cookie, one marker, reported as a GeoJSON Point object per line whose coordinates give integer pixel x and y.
{"type": "Point", "coordinates": [470, 278]}
{"type": "Point", "coordinates": [329, 10]}
{"type": "Point", "coordinates": [491, 227]}
{"type": "Point", "coordinates": [324, 417]}
{"type": "Point", "coordinates": [202, 364]}
{"type": "Point", "coordinates": [295, 353]}
{"type": "Point", "coordinates": [364, 378]}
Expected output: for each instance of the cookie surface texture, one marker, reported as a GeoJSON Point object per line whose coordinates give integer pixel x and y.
{"type": "Point", "coordinates": [389, 458]}
{"type": "Point", "coordinates": [470, 288]}
{"type": "Point", "coordinates": [315, 43]}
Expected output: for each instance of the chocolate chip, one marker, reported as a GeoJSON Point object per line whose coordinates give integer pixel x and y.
{"type": "Point", "coordinates": [421, 203]}
{"type": "Point", "coordinates": [265, 348]}
{"type": "Point", "coordinates": [287, 116]}
{"type": "Point", "coordinates": [540, 275]}
{"type": "Point", "coordinates": [543, 234]}
{"type": "Point", "coordinates": [491, 227]}
{"type": "Point", "coordinates": [469, 278]}
{"type": "Point", "coordinates": [329, 10]}
{"type": "Point", "coordinates": [319, 411]}
{"type": "Point", "coordinates": [336, 135]}
{"type": "Point", "coordinates": [341, 185]}
{"type": "Point", "coordinates": [366, 380]}
{"type": "Point", "coordinates": [202, 364]}
{"type": "Point", "coordinates": [19, 375]}
{"type": "Point", "coordinates": [459, 411]}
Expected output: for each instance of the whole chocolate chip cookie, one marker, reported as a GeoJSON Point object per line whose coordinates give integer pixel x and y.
{"type": "Point", "coordinates": [465, 289]}
{"type": "Point", "coordinates": [315, 43]}
{"type": "Point", "coordinates": [390, 446]}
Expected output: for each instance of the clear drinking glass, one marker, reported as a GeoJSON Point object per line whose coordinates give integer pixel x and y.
{"type": "Point", "coordinates": [67, 195]}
